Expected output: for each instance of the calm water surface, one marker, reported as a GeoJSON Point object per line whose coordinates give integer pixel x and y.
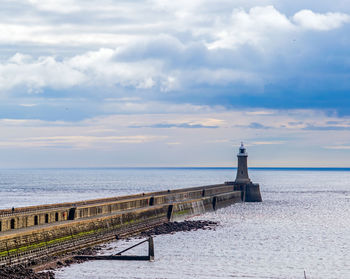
{"type": "Point", "coordinates": [303, 223]}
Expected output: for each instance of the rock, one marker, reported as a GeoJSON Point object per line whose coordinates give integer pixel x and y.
{"type": "Point", "coordinates": [21, 272]}
{"type": "Point", "coordinates": [171, 227]}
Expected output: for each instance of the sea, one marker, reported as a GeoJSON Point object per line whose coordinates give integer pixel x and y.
{"type": "Point", "coordinates": [300, 230]}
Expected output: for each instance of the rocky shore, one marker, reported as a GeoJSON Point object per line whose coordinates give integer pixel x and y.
{"type": "Point", "coordinates": [172, 227]}
{"type": "Point", "coordinates": [48, 264]}
{"type": "Point", "coordinates": [52, 263]}
{"type": "Point", "coordinates": [22, 272]}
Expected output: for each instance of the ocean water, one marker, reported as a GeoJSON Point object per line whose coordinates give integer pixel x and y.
{"type": "Point", "coordinates": [303, 224]}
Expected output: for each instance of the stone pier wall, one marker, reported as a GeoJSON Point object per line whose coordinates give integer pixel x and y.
{"type": "Point", "coordinates": [25, 240]}
{"type": "Point", "coordinates": [42, 226]}
{"type": "Point", "coordinates": [39, 215]}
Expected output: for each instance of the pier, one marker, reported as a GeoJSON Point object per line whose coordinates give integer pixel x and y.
{"type": "Point", "coordinates": [31, 234]}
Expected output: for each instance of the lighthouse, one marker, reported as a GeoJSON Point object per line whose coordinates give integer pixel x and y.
{"type": "Point", "coordinates": [242, 168]}
{"type": "Point", "coordinates": [250, 192]}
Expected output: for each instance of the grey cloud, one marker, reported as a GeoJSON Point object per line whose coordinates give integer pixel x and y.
{"type": "Point", "coordinates": [254, 125]}
{"type": "Point", "coordinates": [295, 123]}
{"type": "Point", "coordinates": [198, 53]}
{"type": "Point", "coordinates": [167, 48]}
{"type": "Point", "coordinates": [327, 128]}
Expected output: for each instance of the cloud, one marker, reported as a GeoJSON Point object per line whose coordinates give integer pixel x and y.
{"type": "Point", "coordinates": [73, 25]}
{"type": "Point", "coordinates": [100, 71]}
{"type": "Point", "coordinates": [295, 123]}
{"type": "Point", "coordinates": [76, 141]}
{"type": "Point", "coordinates": [255, 125]}
{"type": "Point", "coordinates": [323, 22]}
{"type": "Point", "coordinates": [267, 142]}
{"type": "Point", "coordinates": [251, 27]}
{"type": "Point", "coordinates": [338, 147]}
{"type": "Point", "coordinates": [173, 143]}
{"type": "Point", "coordinates": [174, 125]}
{"type": "Point", "coordinates": [260, 112]}
{"type": "Point", "coordinates": [21, 122]}
{"type": "Point", "coordinates": [36, 74]}
{"type": "Point", "coordinates": [95, 68]}
{"type": "Point", "coordinates": [28, 105]}
{"type": "Point", "coordinates": [327, 128]}
{"type": "Point", "coordinates": [109, 140]}
{"type": "Point", "coordinates": [74, 58]}
{"type": "Point", "coordinates": [63, 6]}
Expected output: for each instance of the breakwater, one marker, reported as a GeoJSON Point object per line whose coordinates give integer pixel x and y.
{"type": "Point", "coordinates": [31, 233]}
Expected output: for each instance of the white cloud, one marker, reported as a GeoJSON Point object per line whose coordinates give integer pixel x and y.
{"type": "Point", "coordinates": [338, 147]}
{"type": "Point", "coordinates": [35, 74]}
{"type": "Point", "coordinates": [266, 142]}
{"type": "Point", "coordinates": [19, 122]}
{"type": "Point", "coordinates": [310, 20]}
{"type": "Point", "coordinates": [28, 105]}
{"type": "Point", "coordinates": [252, 27]}
{"type": "Point", "coordinates": [261, 112]}
{"type": "Point", "coordinates": [158, 46]}
{"type": "Point", "coordinates": [133, 55]}
{"type": "Point", "coordinates": [89, 69]}
{"type": "Point", "coordinates": [143, 107]}
{"type": "Point", "coordinates": [113, 135]}
{"type": "Point", "coordinates": [76, 141]}
{"type": "Point", "coordinates": [113, 24]}
{"type": "Point", "coordinates": [173, 143]}
{"type": "Point", "coordinates": [62, 6]}
{"type": "Point", "coordinates": [101, 68]}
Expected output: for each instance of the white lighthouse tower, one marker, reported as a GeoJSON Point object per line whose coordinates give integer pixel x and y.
{"type": "Point", "coordinates": [242, 168]}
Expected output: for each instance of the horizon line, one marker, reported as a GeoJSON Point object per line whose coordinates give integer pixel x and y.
{"type": "Point", "coordinates": [169, 168]}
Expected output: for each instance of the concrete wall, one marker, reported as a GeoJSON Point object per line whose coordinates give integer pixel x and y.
{"type": "Point", "coordinates": [222, 200]}
{"type": "Point", "coordinates": [86, 218]}
{"type": "Point", "coordinates": [202, 205]}
{"type": "Point", "coordinates": [18, 221]}
{"type": "Point", "coordinates": [38, 215]}
{"type": "Point", "coordinates": [31, 239]}
{"type": "Point", "coordinates": [4, 212]}
{"type": "Point", "coordinates": [110, 207]}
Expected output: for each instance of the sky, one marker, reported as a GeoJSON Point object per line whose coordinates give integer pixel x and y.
{"type": "Point", "coordinates": [165, 83]}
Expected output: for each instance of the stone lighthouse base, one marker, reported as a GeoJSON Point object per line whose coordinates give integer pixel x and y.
{"type": "Point", "coordinates": [250, 191]}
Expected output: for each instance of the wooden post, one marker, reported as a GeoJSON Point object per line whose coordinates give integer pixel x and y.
{"type": "Point", "coordinates": [170, 212]}
{"type": "Point", "coordinates": [127, 249]}
{"type": "Point", "coordinates": [151, 248]}
{"type": "Point", "coordinates": [71, 234]}
{"type": "Point", "coordinates": [17, 255]}
{"type": "Point", "coordinates": [8, 252]}
{"type": "Point", "coordinates": [214, 202]}
{"type": "Point", "coordinates": [46, 240]}
{"type": "Point", "coordinates": [119, 255]}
